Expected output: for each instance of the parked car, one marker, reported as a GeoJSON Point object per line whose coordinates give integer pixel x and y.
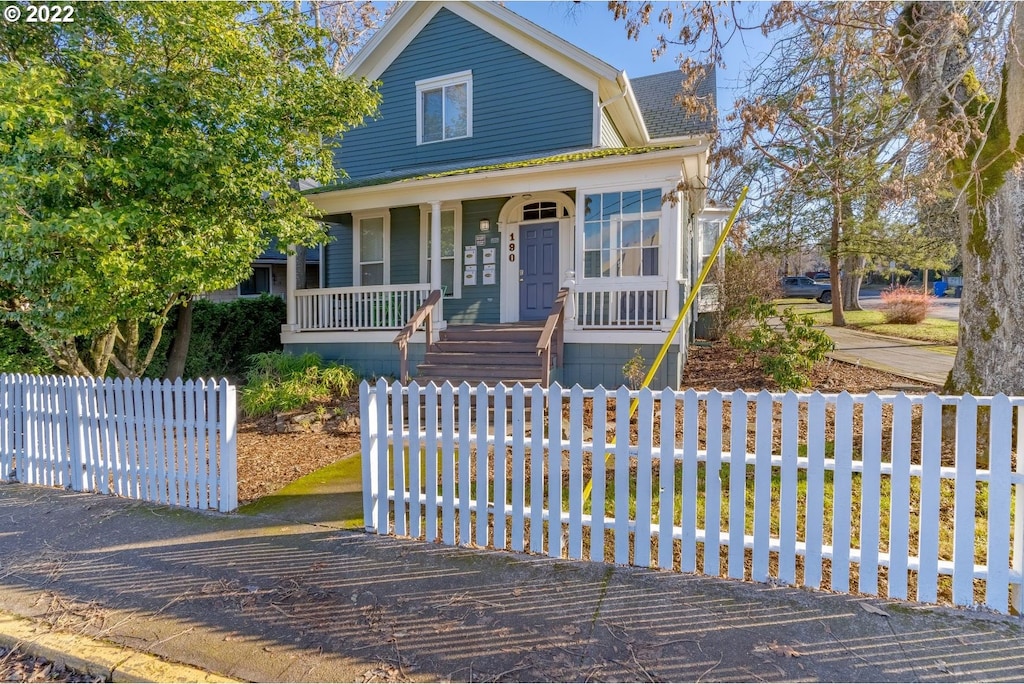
{"type": "Point", "coordinates": [821, 276]}
{"type": "Point", "coordinates": [802, 286]}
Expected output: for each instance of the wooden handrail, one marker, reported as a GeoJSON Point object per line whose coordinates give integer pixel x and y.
{"type": "Point", "coordinates": [553, 335]}
{"type": "Point", "coordinates": [422, 315]}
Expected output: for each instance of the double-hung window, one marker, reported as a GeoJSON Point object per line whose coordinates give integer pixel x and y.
{"type": "Point", "coordinates": [451, 236]}
{"type": "Point", "coordinates": [622, 234]}
{"type": "Point", "coordinates": [444, 108]}
{"type": "Point", "coordinates": [371, 253]}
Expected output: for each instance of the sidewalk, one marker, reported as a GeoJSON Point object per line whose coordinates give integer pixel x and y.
{"type": "Point", "coordinates": [260, 598]}
{"type": "Point", "coordinates": [921, 361]}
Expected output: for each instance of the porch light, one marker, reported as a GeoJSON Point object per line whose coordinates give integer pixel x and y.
{"type": "Point", "coordinates": [485, 225]}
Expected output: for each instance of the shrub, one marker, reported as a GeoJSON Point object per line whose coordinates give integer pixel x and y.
{"type": "Point", "coordinates": [788, 353]}
{"type": "Point", "coordinates": [635, 370]}
{"type": "Point", "coordinates": [282, 382]}
{"type": "Point", "coordinates": [904, 305]}
{"type": "Point", "coordinates": [745, 277]}
{"type": "Point", "coordinates": [225, 335]}
{"type": "Point", "coordinates": [20, 354]}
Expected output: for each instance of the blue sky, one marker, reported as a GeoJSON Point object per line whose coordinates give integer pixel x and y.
{"type": "Point", "coordinates": [591, 26]}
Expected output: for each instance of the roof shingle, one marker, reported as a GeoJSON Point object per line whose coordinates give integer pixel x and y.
{"type": "Point", "coordinates": [664, 117]}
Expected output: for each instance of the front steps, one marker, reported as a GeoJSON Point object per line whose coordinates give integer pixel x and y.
{"type": "Point", "coordinates": [484, 353]}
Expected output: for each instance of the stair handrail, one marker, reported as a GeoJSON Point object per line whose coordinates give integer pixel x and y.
{"type": "Point", "coordinates": [553, 335]}
{"type": "Point", "coordinates": [421, 317]}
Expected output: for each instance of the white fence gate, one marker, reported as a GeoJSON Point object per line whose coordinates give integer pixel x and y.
{"type": "Point", "coordinates": [900, 496]}
{"type": "Point", "coordinates": [171, 443]}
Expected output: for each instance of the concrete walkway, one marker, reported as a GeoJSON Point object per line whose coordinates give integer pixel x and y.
{"type": "Point", "coordinates": [255, 597]}
{"type": "Point", "coordinates": [925, 362]}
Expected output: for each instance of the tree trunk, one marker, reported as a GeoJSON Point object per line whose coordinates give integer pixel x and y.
{"type": "Point", "coordinates": [853, 276]}
{"type": "Point", "coordinates": [833, 260]}
{"type": "Point", "coordinates": [990, 357]}
{"type": "Point", "coordinates": [178, 352]}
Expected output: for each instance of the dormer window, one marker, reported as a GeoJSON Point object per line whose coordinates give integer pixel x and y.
{"type": "Point", "coordinates": [444, 108]}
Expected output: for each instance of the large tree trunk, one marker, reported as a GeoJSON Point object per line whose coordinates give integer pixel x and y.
{"type": "Point", "coordinates": [853, 276]}
{"type": "Point", "coordinates": [990, 358]}
{"type": "Point", "coordinates": [838, 318]}
{"type": "Point", "coordinates": [178, 352]}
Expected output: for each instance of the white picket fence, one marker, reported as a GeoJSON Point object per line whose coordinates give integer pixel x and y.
{"type": "Point", "coordinates": [170, 443]}
{"type": "Point", "coordinates": [867, 493]}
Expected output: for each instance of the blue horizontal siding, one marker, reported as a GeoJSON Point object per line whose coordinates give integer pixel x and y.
{"type": "Point", "coordinates": [405, 245]}
{"type": "Point", "coordinates": [519, 105]}
{"type": "Point", "coordinates": [479, 303]}
{"type": "Point", "coordinates": [338, 252]}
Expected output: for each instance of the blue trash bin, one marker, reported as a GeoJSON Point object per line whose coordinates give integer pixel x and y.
{"type": "Point", "coordinates": [958, 291]}
{"type": "Point", "coordinates": [940, 288]}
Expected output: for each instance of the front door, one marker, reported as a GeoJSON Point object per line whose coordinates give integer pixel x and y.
{"type": "Point", "coordinates": [538, 270]}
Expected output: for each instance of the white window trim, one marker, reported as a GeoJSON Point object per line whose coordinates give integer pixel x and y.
{"type": "Point", "coordinates": [270, 281]}
{"type": "Point", "coordinates": [425, 211]}
{"type": "Point", "coordinates": [581, 246]}
{"type": "Point", "coordinates": [442, 82]}
{"type": "Point", "coordinates": [357, 218]}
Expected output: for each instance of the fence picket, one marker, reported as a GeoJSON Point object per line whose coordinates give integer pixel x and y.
{"type": "Point", "coordinates": [814, 524]}
{"type": "Point", "coordinates": [644, 461]}
{"type": "Point", "coordinates": [576, 473]}
{"type": "Point", "coordinates": [483, 472]}
{"type": "Point", "coordinates": [464, 460]}
{"type": "Point", "coordinates": [899, 513]}
{"type": "Point", "coordinates": [963, 501]}
{"type": "Point", "coordinates": [688, 545]}
{"type": "Point", "coordinates": [205, 406]}
{"type": "Point", "coordinates": [383, 457]}
{"type": "Point", "coordinates": [430, 482]}
{"type": "Point", "coordinates": [554, 460]}
{"type": "Point", "coordinates": [997, 554]}
{"type": "Point", "coordinates": [598, 473]}
{"type": "Point", "coordinates": [415, 463]}
{"type": "Point", "coordinates": [788, 489]}
{"type": "Point", "coordinates": [399, 453]}
{"type": "Point", "coordinates": [713, 486]}
{"type": "Point", "coordinates": [518, 541]}
{"type": "Point", "coordinates": [180, 465]}
{"type": "Point", "coordinates": [928, 517]}
{"type": "Point", "coordinates": [621, 495]}
{"type": "Point", "coordinates": [537, 469]}
{"type": "Point", "coordinates": [737, 484]}
{"type": "Point", "coordinates": [448, 464]}
{"type": "Point", "coordinates": [667, 480]}
{"type": "Point", "coordinates": [842, 493]}
{"type": "Point", "coordinates": [228, 462]}
{"type": "Point", "coordinates": [500, 497]}
{"type": "Point", "coordinates": [870, 485]}
{"type": "Point", "coordinates": [762, 485]}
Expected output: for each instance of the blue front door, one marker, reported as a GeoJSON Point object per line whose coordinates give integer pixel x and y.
{"type": "Point", "coordinates": [538, 270]}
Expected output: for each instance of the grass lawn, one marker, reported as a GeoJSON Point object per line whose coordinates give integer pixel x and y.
{"type": "Point", "coordinates": [928, 330]}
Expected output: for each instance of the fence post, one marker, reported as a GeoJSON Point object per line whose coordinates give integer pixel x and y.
{"type": "Point", "coordinates": [368, 407]}
{"type": "Point", "coordinates": [228, 499]}
{"type": "Point", "coordinates": [1017, 593]}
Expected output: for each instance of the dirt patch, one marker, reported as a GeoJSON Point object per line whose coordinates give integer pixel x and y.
{"type": "Point", "coordinates": [276, 450]}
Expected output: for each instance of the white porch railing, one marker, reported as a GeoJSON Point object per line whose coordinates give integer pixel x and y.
{"type": "Point", "coordinates": [620, 306]}
{"type": "Point", "coordinates": [377, 307]}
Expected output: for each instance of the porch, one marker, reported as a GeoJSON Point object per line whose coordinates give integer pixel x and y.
{"type": "Point", "coordinates": [401, 331]}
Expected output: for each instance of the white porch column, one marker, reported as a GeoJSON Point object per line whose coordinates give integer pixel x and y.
{"type": "Point", "coordinates": [676, 219]}
{"type": "Point", "coordinates": [291, 319]}
{"type": "Point", "coordinates": [435, 245]}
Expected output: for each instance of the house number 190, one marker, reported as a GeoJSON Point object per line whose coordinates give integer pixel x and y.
{"type": "Point", "coordinates": [511, 246]}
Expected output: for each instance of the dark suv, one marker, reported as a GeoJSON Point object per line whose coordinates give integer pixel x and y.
{"type": "Point", "coordinates": [802, 286]}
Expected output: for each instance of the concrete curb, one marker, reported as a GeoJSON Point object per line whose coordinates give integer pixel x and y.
{"type": "Point", "coordinates": [114, 662]}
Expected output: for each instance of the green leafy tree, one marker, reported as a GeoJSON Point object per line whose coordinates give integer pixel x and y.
{"type": "Point", "coordinates": [146, 153]}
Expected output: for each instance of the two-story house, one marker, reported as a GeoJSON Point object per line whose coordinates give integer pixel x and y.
{"type": "Point", "coordinates": [506, 164]}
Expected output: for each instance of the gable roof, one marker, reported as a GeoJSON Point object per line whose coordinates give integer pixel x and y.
{"type": "Point", "coordinates": [666, 118]}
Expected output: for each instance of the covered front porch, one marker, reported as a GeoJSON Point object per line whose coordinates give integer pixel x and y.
{"type": "Point", "coordinates": [617, 241]}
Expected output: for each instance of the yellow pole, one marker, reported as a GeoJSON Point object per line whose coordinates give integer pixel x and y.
{"type": "Point", "coordinates": [682, 315]}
